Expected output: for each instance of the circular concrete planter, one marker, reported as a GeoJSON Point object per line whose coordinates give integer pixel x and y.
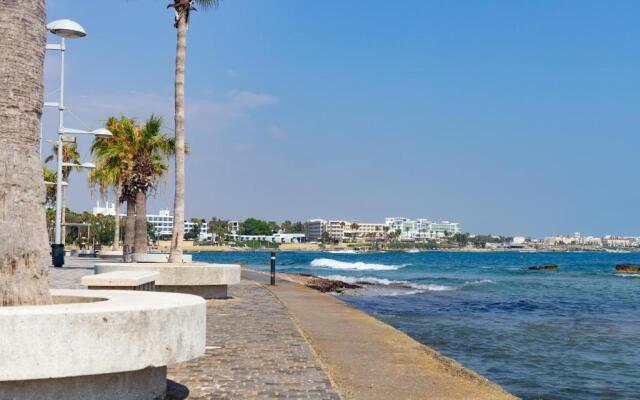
{"type": "Point", "coordinates": [98, 344]}
{"type": "Point", "coordinates": [206, 280]}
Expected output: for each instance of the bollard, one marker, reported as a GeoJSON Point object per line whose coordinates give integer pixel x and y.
{"type": "Point", "coordinates": [273, 268]}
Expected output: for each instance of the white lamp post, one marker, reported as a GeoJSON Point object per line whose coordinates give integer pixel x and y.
{"type": "Point", "coordinates": [65, 29]}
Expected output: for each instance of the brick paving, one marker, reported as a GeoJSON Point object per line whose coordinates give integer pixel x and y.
{"type": "Point", "coordinates": [254, 350]}
{"type": "Point", "coordinates": [69, 276]}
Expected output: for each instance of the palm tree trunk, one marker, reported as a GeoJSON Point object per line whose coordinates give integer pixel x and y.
{"type": "Point", "coordinates": [129, 228]}
{"type": "Point", "coordinates": [141, 244]}
{"type": "Point", "coordinates": [116, 221]}
{"type": "Point", "coordinates": [24, 249]}
{"type": "Point", "coordinates": [175, 254]}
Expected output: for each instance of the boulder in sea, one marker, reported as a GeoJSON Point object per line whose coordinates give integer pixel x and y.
{"type": "Point", "coordinates": [634, 269]}
{"type": "Point", "coordinates": [552, 267]}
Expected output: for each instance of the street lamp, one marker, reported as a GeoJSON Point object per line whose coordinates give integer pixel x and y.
{"type": "Point", "coordinates": [65, 29]}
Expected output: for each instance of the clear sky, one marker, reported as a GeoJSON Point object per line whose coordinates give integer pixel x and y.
{"type": "Point", "coordinates": [510, 117]}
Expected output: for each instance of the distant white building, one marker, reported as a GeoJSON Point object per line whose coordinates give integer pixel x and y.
{"type": "Point", "coordinates": [203, 233]}
{"type": "Point", "coordinates": [590, 241]}
{"type": "Point", "coordinates": [560, 240]}
{"type": "Point", "coordinates": [421, 228]}
{"type": "Point", "coordinates": [341, 230]}
{"type": "Point", "coordinates": [275, 238]}
{"type": "Point", "coordinates": [409, 229]}
{"type": "Point", "coordinates": [108, 209]}
{"type": "Point", "coordinates": [315, 229]}
{"type": "Point", "coordinates": [445, 228]}
{"type": "Point", "coordinates": [162, 221]}
{"type": "Point", "coordinates": [619, 241]}
{"type": "Point", "coordinates": [234, 226]}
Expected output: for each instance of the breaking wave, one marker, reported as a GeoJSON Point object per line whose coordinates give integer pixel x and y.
{"type": "Point", "coordinates": [405, 286]}
{"type": "Point", "coordinates": [388, 282]}
{"type": "Point", "coordinates": [361, 266]}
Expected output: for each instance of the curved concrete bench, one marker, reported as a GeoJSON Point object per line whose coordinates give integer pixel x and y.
{"type": "Point", "coordinates": [206, 280]}
{"type": "Point", "coordinates": [98, 344]}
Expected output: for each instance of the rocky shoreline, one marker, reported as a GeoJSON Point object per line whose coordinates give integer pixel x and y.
{"type": "Point", "coordinates": [337, 286]}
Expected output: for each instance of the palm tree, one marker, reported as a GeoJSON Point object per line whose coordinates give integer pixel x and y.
{"type": "Point", "coordinates": [114, 159]}
{"type": "Point", "coordinates": [182, 10]}
{"type": "Point", "coordinates": [70, 154]}
{"type": "Point", "coordinates": [132, 160]}
{"type": "Point", "coordinates": [24, 248]}
{"type": "Point", "coordinates": [150, 149]}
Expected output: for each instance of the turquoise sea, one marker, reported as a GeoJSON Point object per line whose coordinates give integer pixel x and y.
{"type": "Point", "coordinates": [570, 334]}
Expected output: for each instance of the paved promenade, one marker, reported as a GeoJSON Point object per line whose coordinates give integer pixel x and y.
{"type": "Point", "coordinates": [254, 350]}
{"type": "Point", "coordinates": [292, 342]}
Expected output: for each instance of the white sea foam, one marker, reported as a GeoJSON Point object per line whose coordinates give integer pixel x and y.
{"type": "Point", "coordinates": [388, 282]}
{"type": "Point", "coordinates": [343, 252]}
{"type": "Point", "coordinates": [628, 275]}
{"type": "Point", "coordinates": [335, 264]}
{"type": "Point", "coordinates": [364, 279]}
{"type": "Point", "coordinates": [401, 292]}
{"type": "Point", "coordinates": [431, 287]}
{"type": "Point", "coordinates": [478, 282]}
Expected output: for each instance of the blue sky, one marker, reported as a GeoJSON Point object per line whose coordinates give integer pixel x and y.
{"type": "Point", "coordinates": [510, 117]}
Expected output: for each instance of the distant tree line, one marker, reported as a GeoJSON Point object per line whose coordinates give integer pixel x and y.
{"type": "Point", "coordinates": [479, 241]}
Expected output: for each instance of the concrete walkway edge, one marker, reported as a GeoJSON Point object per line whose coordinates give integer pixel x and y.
{"type": "Point", "coordinates": [366, 358]}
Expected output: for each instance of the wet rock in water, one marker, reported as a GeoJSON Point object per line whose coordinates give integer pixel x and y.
{"type": "Point", "coordinates": [328, 285]}
{"type": "Point", "coordinates": [628, 268]}
{"type": "Point", "coordinates": [544, 268]}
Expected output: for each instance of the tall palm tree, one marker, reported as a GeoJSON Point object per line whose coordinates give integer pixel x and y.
{"type": "Point", "coordinates": [151, 148]}
{"type": "Point", "coordinates": [24, 248]}
{"type": "Point", "coordinates": [70, 154]}
{"type": "Point", "coordinates": [183, 9]}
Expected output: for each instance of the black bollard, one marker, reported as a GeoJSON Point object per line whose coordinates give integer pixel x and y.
{"type": "Point", "coordinates": [273, 268]}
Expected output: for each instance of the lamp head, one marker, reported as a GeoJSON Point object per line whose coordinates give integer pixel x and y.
{"type": "Point", "coordinates": [66, 28]}
{"type": "Point", "coordinates": [102, 132]}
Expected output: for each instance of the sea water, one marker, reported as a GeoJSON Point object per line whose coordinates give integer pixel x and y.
{"type": "Point", "coordinates": [567, 334]}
